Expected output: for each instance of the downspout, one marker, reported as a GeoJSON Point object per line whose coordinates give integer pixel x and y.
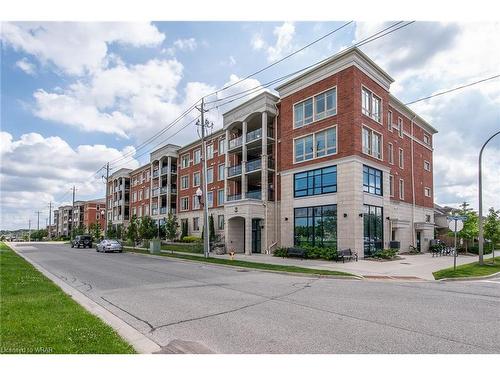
{"type": "Point", "coordinates": [412, 186]}
{"type": "Point", "coordinates": [277, 237]}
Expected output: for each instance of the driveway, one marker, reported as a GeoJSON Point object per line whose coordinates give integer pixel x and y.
{"type": "Point", "coordinates": [228, 310]}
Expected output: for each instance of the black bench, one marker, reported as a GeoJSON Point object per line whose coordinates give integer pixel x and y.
{"type": "Point", "coordinates": [346, 254]}
{"type": "Point", "coordinates": [295, 252]}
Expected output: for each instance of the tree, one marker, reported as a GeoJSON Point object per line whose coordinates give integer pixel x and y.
{"type": "Point", "coordinates": [184, 228]}
{"type": "Point", "coordinates": [119, 231]}
{"type": "Point", "coordinates": [171, 227]}
{"type": "Point", "coordinates": [211, 226]}
{"type": "Point", "coordinates": [38, 235]}
{"type": "Point", "coordinates": [78, 231]}
{"type": "Point", "coordinates": [111, 232]}
{"type": "Point", "coordinates": [471, 227]}
{"type": "Point", "coordinates": [132, 230]}
{"type": "Point", "coordinates": [147, 228]}
{"type": "Point", "coordinates": [492, 227]}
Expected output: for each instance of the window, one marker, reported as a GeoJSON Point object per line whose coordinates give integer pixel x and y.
{"type": "Point", "coordinates": [427, 218]}
{"type": "Point", "coordinates": [185, 161]}
{"type": "Point", "coordinates": [401, 189]}
{"type": "Point", "coordinates": [391, 185]}
{"type": "Point", "coordinates": [220, 171]}
{"type": "Point", "coordinates": [210, 199]}
{"type": "Point", "coordinates": [400, 127]}
{"type": "Point", "coordinates": [371, 104]}
{"type": "Point", "coordinates": [222, 146]}
{"type": "Point", "coordinates": [389, 121]}
{"type": "Point", "coordinates": [134, 212]}
{"type": "Point", "coordinates": [427, 166]}
{"type": "Point", "coordinates": [146, 193]}
{"type": "Point", "coordinates": [372, 143]}
{"type": "Point", "coordinates": [326, 142]}
{"type": "Point", "coordinates": [140, 195]}
{"type": "Point", "coordinates": [220, 222]}
{"type": "Point", "coordinates": [196, 202]}
{"type": "Point", "coordinates": [210, 151]}
{"type": "Point", "coordinates": [427, 192]}
{"type": "Point", "coordinates": [210, 175]}
{"type": "Point", "coordinates": [140, 211]}
{"type": "Point", "coordinates": [372, 180]}
{"type": "Point", "coordinates": [390, 153]}
{"type": "Point", "coordinates": [401, 158]}
{"type": "Point", "coordinates": [184, 203]}
{"type": "Point", "coordinates": [316, 226]}
{"type": "Point", "coordinates": [373, 229]}
{"type": "Point", "coordinates": [196, 179]}
{"type": "Point", "coordinates": [304, 148]}
{"type": "Point", "coordinates": [134, 196]}
{"type": "Point", "coordinates": [146, 210]}
{"type": "Point", "coordinates": [184, 182]}
{"type": "Point", "coordinates": [427, 139]}
{"type": "Point", "coordinates": [197, 156]}
{"type": "Point", "coordinates": [220, 197]}
{"type": "Point", "coordinates": [315, 182]}
{"type": "Point", "coordinates": [316, 108]}
{"type": "Point", "coordinates": [196, 224]}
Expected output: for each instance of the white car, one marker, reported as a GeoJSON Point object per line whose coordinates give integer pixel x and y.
{"type": "Point", "coordinates": [109, 245]}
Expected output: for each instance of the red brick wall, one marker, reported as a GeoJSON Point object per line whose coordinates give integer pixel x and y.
{"type": "Point", "coordinates": [145, 185]}
{"type": "Point", "coordinates": [90, 212]}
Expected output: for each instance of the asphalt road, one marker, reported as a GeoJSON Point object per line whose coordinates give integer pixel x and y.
{"type": "Point", "coordinates": [240, 311]}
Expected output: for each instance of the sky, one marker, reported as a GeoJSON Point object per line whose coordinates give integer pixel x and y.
{"type": "Point", "coordinates": [76, 95]}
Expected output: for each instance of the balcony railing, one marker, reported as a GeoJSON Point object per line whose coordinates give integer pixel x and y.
{"type": "Point", "coordinates": [234, 197]}
{"type": "Point", "coordinates": [164, 170]}
{"type": "Point", "coordinates": [253, 135]}
{"type": "Point", "coordinates": [154, 211]}
{"type": "Point", "coordinates": [236, 142]}
{"type": "Point", "coordinates": [234, 170]}
{"type": "Point", "coordinates": [254, 194]}
{"type": "Point", "coordinates": [156, 172]}
{"type": "Point", "coordinates": [163, 210]}
{"type": "Point", "coordinates": [254, 165]}
{"type": "Point", "coordinates": [155, 192]}
{"type": "Point", "coordinates": [173, 190]}
{"type": "Point", "coordinates": [164, 190]}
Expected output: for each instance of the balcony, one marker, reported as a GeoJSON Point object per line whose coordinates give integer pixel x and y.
{"type": "Point", "coordinates": [154, 211]}
{"type": "Point", "coordinates": [155, 192]}
{"type": "Point", "coordinates": [234, 197]}
{"type": "Point", "coordinates": [164, 170]}
{"type": "Point", "coordinates": [156, 173]}
{"type": "Point", "coordinates": [254, 135]}
{"type": "Point", "coordinates": [173, 190]}
{"type": "Point", "coordinates": [254, 165]}
{"type": "Point", "coordinates": [234, 170]}
{"type": "Point", "coordinates": [270, 163]}
{"type": "Point", "coordinates": [236, 142]}
{"type": "Point", "coordinates": [163, 210]}
{"type": "Point", "coordinates": [254, 194]}
{"type": "Point", "coordinates": [164, 190]}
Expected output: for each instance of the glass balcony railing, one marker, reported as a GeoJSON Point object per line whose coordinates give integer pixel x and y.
{"type": "Point", "coordinates": [233, 143]}
{"type": "Point", "coordinates": [163, 190]}
{"type": "Point", "coordinates": [154, 211]}
{"type": "Point", "coordinates": [270, 163]}
{"type": "Point", "coordinates": [155, 173]}
{"type": "Point", "coordinates": [164, 170]}
{"type": "Point", "coordinates": [254, 165]}
{"type": "Point", "coordinates": [234, 170]}
{"type": "Point", "coordinates": [173, 190]}
{"type": "Point", "coordinates": [253, 135]}
{"type": "Point", "coordinates": [155, 192]}
{"type": "Point", "coordinates": [254, 194]}
{"type": "Point", "coordinates": [234, 197]}
{"type": "Point", "coordinates": [163, 210]}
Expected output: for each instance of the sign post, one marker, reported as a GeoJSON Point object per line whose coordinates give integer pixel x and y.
{"type": "Point", "coordinates": [456, 224]}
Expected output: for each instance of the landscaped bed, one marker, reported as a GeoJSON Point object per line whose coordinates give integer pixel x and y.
{"type": "Point", "coordinates": [38, 317]}
{"type": "Point", "coordinates": [245, 264]}
{"type": "Point", "coordinates": [470, 270]}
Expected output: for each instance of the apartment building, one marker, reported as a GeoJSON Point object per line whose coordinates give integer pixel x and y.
{"type": "Point", "coordinates": [94, 211]}
{"type": "Point", "coordinates": [118, 196]}
{"type": "Point", "coordinates": [78, 214]}
{"type": "Point", "coordinates": [63, 219]}
{"type": "Point", "coordinates": [140, 188]}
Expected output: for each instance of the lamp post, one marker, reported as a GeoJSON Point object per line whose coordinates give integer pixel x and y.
{"type": "Point", "coordinates": [199, 194]}
{"type": "Point", "coordinates": [481, 239]}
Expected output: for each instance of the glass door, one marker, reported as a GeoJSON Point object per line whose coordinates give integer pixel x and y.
{"type": "Point", "coordinates": [373, 229]}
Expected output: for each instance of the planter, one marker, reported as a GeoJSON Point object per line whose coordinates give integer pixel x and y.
{"type": "Point", "coordinates": [155, 246]}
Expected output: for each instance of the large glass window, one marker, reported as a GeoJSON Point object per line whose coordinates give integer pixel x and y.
{"type": "Point", "coordinates": [371, 105]}
{"type": "Point", "coordinates": [326, 142]}
{"type": "Point", "coordinates": [373, 222]}
{"type": "Point", "coordinates": [210, 151]}
{"type": "Point", "coordinates": [304, 148]}
{"type": "Point", "coordinates": [196, 179]}
{"type": "Point", "coordinates": [210, 175]}
{"type": "Point", "coordinates": [222, 146]}
{"type": "Point", "coordinates": [220, 197]}
{"type": "Point", "coordinates": [184, 182]}
{"type": "Point", "coordinates": [197, 156]}
{"type": "Point", "coordinates": [220, 172]}
{"type": "Point", "coordinates": [316, 226]}
{"type": "Point", "coordinates": [185, 161]}
{"type": "Point", "coordinates": [320, 106]}
{"type": "Point", "coordinates": [318, 181]}
{"type": "Point", "coordinates": [372, 143]}
{"type": "Point", "coordinates": [372, 180]}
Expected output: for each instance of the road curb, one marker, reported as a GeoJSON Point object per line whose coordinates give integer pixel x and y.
{"type": "Point", "coordinates": [470, 278]}
{"type": "Point", "coordinates": [340, 277]}
{"type": "Point", "coordinates": [139, 341]}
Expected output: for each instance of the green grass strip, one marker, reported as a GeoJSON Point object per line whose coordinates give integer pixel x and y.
{"type": "Point", "coordinates": [245, 264]}
{"type": "Point", "coordinates": [470, 270]}
{"type": "Point", "coordinates": [36, 316]}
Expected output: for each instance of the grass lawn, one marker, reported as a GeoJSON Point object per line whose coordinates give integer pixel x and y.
{"type": "Point", "coordinates": [245, 264]}
{"type": "Point", "coordinates": [38, 317]}
{"type": "Point", "coordinates": [188, 248]}
{"type": "Point", "coordinates": [470, 270]}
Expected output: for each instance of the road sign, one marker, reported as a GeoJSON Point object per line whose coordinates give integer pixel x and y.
{"type": "Point", "coordinates": [458, 228]}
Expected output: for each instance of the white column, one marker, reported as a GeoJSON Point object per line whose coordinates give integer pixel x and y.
{"type": "Point", "coordinates": [244, 161]}
{"type": "Point", "coordinates": [264, 157]}
{"type": "Point", "coordinates": [226, 165]}
{"type": "Point", "coordinates": [248, 235]}
{"type": "Point", "coordinates": [169, 181]}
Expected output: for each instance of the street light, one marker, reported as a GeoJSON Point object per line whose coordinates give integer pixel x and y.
{"type": "Point", "coordinates": [481, 239]}
{"type": "Point", "coordinates": [206, 244]}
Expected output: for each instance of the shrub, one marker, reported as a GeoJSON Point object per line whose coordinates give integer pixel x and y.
{"type": "Point", "coordinates": [189, 239]}
{"type": "Point", "coordinates": [280, 252]}
{"type": "Point", "coordinates": [475, 249]}
{"type": "Point", "coordinates": [385, 254]}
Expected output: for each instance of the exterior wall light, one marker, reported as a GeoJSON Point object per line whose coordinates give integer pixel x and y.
{"type": "Point", "coordinates": [345, 215]}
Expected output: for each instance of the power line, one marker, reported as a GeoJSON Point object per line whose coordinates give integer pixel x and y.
{"type": "Point", "coordinates": [454, 89]}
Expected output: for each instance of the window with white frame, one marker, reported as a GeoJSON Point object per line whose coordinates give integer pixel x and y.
{"type": "Point", "coordinates": [389, 120]}
{"type": "Point", "coordinates": [134, 211]}
{"type": "Point", "coordinates": [371, 104]}
{"type": "Point", "coordinates": [134, 197]}
{"type": "Point", "coordinates": [390, 153]}
{"type": "Point", "coordinates": [316, 108]}
{"type": "Point", "coordinates": [220, 222]}
{"type": "Point", "coordinates": [401, 189]}
{"type": "Point", "coordinates": [185, 161]}
{"type": "Point", "coordinates": [427, 139]}
{"type": "Point", "coordinates": [210, 151]}
{"type": "Point", "coordinates": [220, 197]}
{"type": "Point", "coordinates": [400, 127]}
{"type": "Point", "coordinates": [185, 182]}
{"type": "Point", "coordinates": [391, 185]}
{"type": "Point", "coordinates": [140, 195]}
{"type": "Point", "coordinates": [196, 202]}
{"type": "Point", "coordinates": [140, 211]}
{"type": "Point", "coordinates": [304, 148]}
{"type": "Point", "coordinates": [401, 158]}
{"type": "Point", "coordinates": [222, 146]}
{"type": "Point", "coordinates": [196, 179]}
{"type": "Point", "coordinates": [427, 192]}
{"type": "Point", "coordinates": [427, 166]}
{"type": "Point", "coordinates": [146, 193]}
{"type": "Point", "coordinates": [196, 224]}
{"type": "Point", "coordinates": [220, 172]}
{"type": "Point", "coordinates": [372, 143]}
{"type": "Point", "coordinates": [196, 156]}
{"type": "Point", "coordinates": [210, 199]}
{"type": "Point", "coordinates": [326, 142]}
{"type": "Point", "coordinates": [210, 175]}
{"type": "Point", "coordinates": [184, 203]}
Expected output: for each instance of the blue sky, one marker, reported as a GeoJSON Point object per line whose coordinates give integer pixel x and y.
{"type": "Point", "coordinates": [75, 95]}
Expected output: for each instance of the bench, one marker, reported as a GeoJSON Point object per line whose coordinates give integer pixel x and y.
{"type": "Point", "coordinates": [295, 251]}
{"type": "Point", "coordinates": [346, 254]}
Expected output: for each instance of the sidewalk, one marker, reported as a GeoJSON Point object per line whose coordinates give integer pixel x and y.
{"type": "Point", "coordinates": [409, 267]}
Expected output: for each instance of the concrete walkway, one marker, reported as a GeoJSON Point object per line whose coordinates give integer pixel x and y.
{"type": "Point", "coordinates": [409, 267]}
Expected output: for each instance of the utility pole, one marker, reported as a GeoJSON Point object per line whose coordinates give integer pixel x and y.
{"type": "Point", "coordinates": [29, 230]}
{"type": "Point", "coordinates": [106, 203]}
{"type": "Point", "coordinates": [38, 220]}
{"type": "Point", "coordinates": [73, 214]}
{"type": "Point", "coordinates": [206, 231]}
{"type": "Point", "coordinates": [50, 221]}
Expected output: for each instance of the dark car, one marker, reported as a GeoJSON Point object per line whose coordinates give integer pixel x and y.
{"type": "Point", "coordinates": [84, 241]}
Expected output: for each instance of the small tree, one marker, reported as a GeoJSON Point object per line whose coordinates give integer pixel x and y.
{"type": "Point", "coordinates": [211, 226]}
{"type": "Point", "coordinates": [39, 234]}
{"type": "Point", "coordinates": [147, 228]}
{"type": "Point", "coordinates": [132, 230]}
{"type": "Point", "coordinates": [492, 227]}
{"type": "Point", "coordinates": [171, 227]}
{"type": "Point", "coordinates": [119, 231]}
{"type": "Point", "coordinates": [471, 228]}
{"type": "Point", "coordinates": [184, 228]}
{"type": "Point", "coordinates": [111, 232]}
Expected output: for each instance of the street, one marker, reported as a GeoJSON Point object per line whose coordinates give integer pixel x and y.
{"type": "Point", "coordinates": [229, 310]}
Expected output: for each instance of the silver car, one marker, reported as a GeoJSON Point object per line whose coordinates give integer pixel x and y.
{"type": "Point", "coordinates": [109, 245]}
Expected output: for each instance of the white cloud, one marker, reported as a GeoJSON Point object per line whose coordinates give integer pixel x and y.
{"type": "Point", "coordinates": [284, 36]}
{"type": "Point", "coordinates": [26, 66]}
{"type": "Point", "coordinates": [36, 170]}
{"type": "Point", "coordinates": [77, 48]}
{"type": "Point", "coordinates": [186, 44]}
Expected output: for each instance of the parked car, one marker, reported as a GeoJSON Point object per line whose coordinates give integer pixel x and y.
{"type": "Point", "coordinates": [109, 245]}
{"type": "Point", "coordinates": [82, 240]}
